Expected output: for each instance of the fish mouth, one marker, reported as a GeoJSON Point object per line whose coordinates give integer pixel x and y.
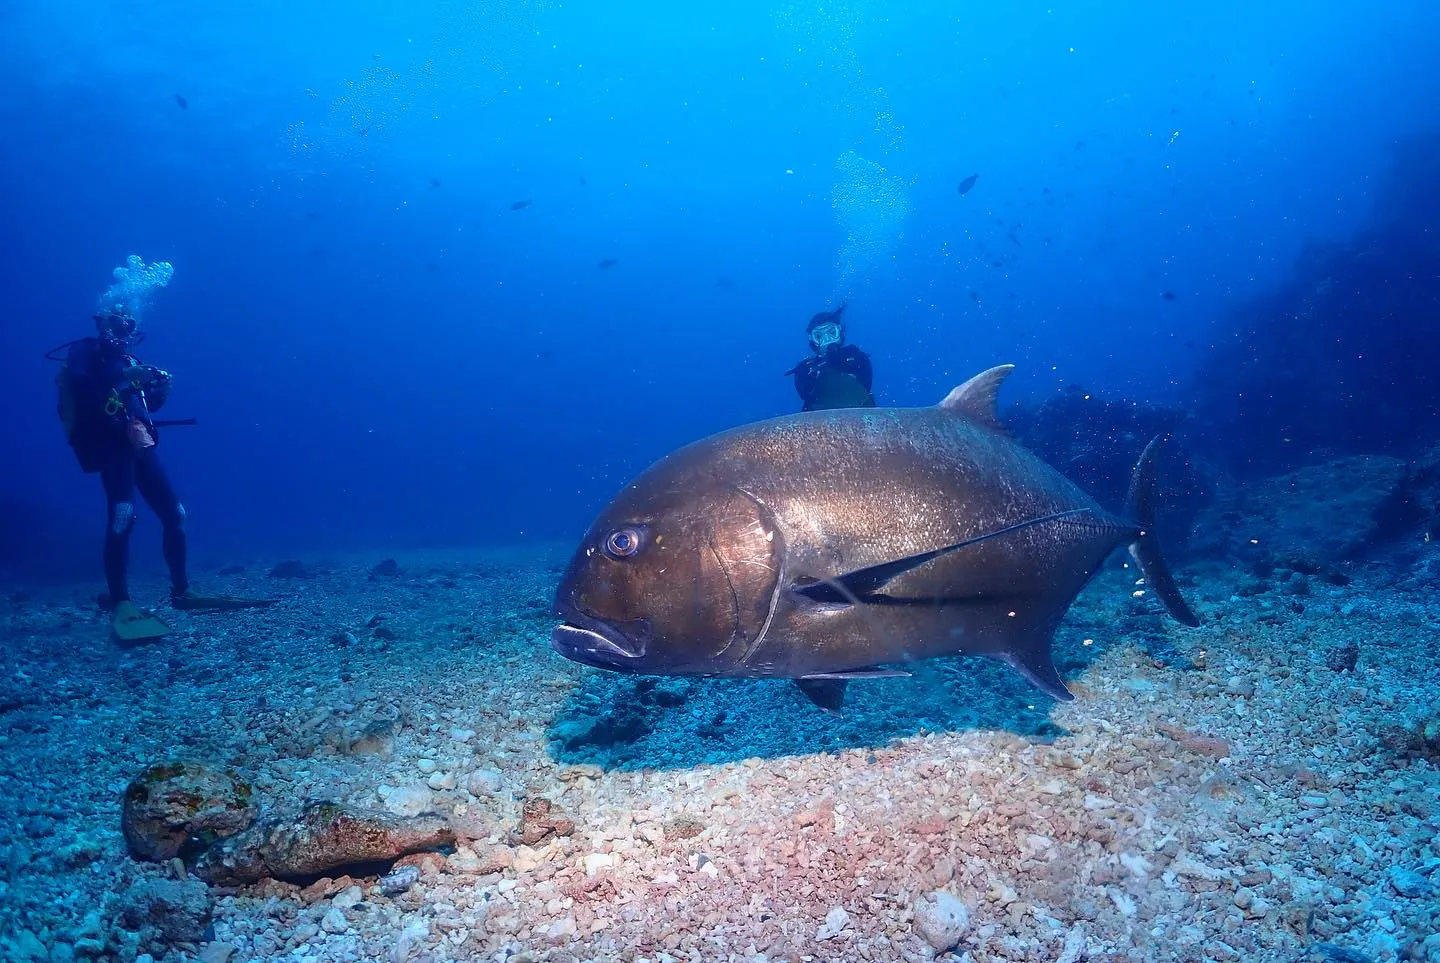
{"type": "Point", "coordinates": [593, 643]}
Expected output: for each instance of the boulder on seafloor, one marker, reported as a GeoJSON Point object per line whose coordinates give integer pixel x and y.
{"type": "Point", "coordinates": [164, 912]}
{"type": "Point", "coordinates": [325, 837]}
{"type": "Point", "coordinates": [172, 806]}
{"type": "Point", "coordinates": [539, 820]}
{"type": "Point", "coordinates": [1307, 519]}
{"type": "Point", "coordinates": [942, 920]}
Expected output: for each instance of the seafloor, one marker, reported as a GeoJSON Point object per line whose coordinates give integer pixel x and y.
{"type": "Point", "coordinates": [1260, 788]}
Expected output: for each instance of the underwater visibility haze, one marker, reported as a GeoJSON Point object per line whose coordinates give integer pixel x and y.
{"type": "Point", "coordinates": [440, 435]}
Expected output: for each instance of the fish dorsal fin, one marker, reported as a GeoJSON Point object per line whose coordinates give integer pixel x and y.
{"type": "Point", "coordinates": [975, 399]}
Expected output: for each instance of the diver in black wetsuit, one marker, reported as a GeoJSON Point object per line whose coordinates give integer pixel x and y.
{"type": "Point", "coordinates": [836, 375]}
{"type": "Point", "coordinates": [107, 400]}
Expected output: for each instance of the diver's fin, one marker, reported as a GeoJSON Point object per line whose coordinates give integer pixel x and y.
{"type": "Point", "coordinates": [869, 673]}
{"type": "Point", "coordinates": [133, 624]}
{"type": "Point", "coordinates": [975, 399]}
{"type": "Point", "coordinates": [828, 694]}
{"type": "Point", "coordinates": [1140, 507]}
{"type": "Point", "coordinates": [193, 601]}
{"type": "Point", "coordinates": [862, 582]}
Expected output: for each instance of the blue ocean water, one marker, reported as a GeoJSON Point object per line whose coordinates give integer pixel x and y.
{"type": "Point", "coordinates": [435, 281]}
{"type": "Point", "coordinates": [381, 351]}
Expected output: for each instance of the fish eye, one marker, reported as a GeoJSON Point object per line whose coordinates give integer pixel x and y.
{"type": "Point", "coordinates": [622, 543]}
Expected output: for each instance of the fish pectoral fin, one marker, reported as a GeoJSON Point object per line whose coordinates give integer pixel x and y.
{"type": "Point", "coordinates": [871, 673]}
{"type": "Point", "coordinates": [828, 694]}
{"type": "Point", "coordinates": [854, 587]}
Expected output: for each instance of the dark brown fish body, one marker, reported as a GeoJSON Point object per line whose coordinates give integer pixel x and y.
{"type": "Point", "coordinates": [821, 545]}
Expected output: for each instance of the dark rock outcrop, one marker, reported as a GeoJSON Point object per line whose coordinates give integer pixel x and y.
{"type": "Point", "coordinates": [1095, 442]}
{"type": "Point", "coordinates": [1306, 520]}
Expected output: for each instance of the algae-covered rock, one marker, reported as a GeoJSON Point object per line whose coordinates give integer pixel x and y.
{"type": "Point", "coordinates": [327, 836]}
{"type": "Point", "coordinates": [175, 805]}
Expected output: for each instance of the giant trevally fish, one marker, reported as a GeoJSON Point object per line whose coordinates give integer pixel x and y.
{"type": "Point", "coordinates": [824, 546]}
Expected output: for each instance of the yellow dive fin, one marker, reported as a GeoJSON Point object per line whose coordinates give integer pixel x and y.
{"type": "Point", "coordinates": [133, 624]}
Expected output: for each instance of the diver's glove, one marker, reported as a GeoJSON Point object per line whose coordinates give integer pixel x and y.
{"type": "Point", "coordinates": [147, 376]}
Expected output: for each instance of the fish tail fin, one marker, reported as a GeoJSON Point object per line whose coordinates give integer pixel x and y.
{"type": "Point", "coordinates": [1140, 507]}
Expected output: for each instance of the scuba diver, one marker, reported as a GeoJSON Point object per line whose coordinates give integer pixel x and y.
{"type": "Point", "coordinates": [107, 402]}
{"type": "Point", "coordinates": [836, 375]}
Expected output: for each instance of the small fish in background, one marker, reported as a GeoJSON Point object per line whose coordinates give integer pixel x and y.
{"type": "Point", "coordinates": [435, 183]}
{"type": "Point", "coordinates": [519, 205]}
{"type": "Point", "coordinates": [964, 186]}
{"type": "Point", "coordinates": [607, 264]}
{"type": "Point", "coordinates": [725, 283]}
{"type": "Point", "coordinates": [1013, 239]}
{"type": "Point", "coordinates": [182, 102]}
{"type": "Point", "coordinates": [1167, 295]}
{"type": "Point", "coordinates": [583, 181]}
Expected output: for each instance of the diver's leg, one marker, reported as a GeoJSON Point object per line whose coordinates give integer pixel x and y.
{"type": "Point", "coordinates": [118, 478]}
{"type": "Point", "coordinates": [161, 497]}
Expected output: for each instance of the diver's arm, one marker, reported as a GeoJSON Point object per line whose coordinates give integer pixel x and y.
{"type": "Point", "coordinates": [859, 365]}
{"type": "Point", "coordinates": [157, 392]}
{"type": "Point", "coordinates": [153, 381]}
{"type": "Point", "coordinates": [804, 379]}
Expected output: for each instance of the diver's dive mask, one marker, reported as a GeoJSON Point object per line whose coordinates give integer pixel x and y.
{"type": "Point", "coordinates": [824, 335]}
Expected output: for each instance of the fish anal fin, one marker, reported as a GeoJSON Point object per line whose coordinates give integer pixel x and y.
{"type": "Point", "coordinates": [1019, 633]}
{"type": "Point", "coordinates": [1040, 670]}
{"type": "Point", "coordinates": [976, 398]}
{"type": "Point", "coordinates": [1027, 650]}
{"type": "Point", "coordinates": [827, 693]}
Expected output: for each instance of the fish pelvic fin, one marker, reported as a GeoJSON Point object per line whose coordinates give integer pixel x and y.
{"type": "Point", "coordinates": [828, 694]}
{"type": "Point", "coordinates": [1145, 549]}
{"type": "Point", "coordinates": [976, 398]}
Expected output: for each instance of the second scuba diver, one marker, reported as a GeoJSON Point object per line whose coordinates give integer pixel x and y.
{"type": "Point", "coordinates": [836, 375]}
